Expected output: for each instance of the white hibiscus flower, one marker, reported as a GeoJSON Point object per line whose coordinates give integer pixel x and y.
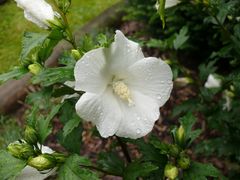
{"type": "Point", "coordinates": [30, 173]}
{"type": "Point", "coordinates": [124, 90]}
{"type": "Point", "coordinates": [168, 3]}
{"type": "Point", "coordinates": [212, 82]}
{"type": "Point", "coordinates": [37, 11]}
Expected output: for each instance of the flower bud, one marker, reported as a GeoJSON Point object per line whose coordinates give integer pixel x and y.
{"type": "Point", "coordinates": [184, 162]}
{"type": "Point", "coordinates": [42, 162]}
{"type": "Point", "coordinates": [21, 150]}
{"type": "Point", "coordinates": [170, 171]}
{"type": "Point", "coordinates": [76, 54]}
{"type": "Point", "coordinates": [35, 68]}
{"type": "Point", "coordinates": [56, 23]}
{"type": "Point", "coordinates": [30, 135]}
{"type": "Point", "coordinates": [63, 5]}
{"type": "Point", "coordinates": [180, 135]}
{"type": "Point", "coordinates": [174, 150]}
{"type": "Point", "coordinates": [183, 81]}
{"type": "Point", "coordinates": [37, 11]}
{"type": "Point", "coordinates": [60, 158]}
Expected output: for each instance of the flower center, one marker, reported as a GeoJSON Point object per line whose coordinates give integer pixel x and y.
{"type": "Point", "coordinates": [121, 89]}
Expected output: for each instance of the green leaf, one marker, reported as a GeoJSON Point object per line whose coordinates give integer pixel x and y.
{"type": "Point", "coordinates": [138, 169]}
{"type": "Point", "coordinates": [75, 169]}
{"type": "Point", "coordinates": [161, 11]}
{"type": "Point", "coordinates": [71, 136]}
{"type": "Point", "coordinates": [30, 41]}
{"type": "Point", "coordinates": [151, 153]}
{"type": "Point", "coordinates": [199, 171]}
{"type": "Point", "coordinates": [14, 74]}
{"type": "Point", "coordinates": [181, 38]}
{"type": "Point", "coordinates": [111, 162]}
{"type": "Point", "coordinates": [72, 142]}
{"type": "Point", "coordinates": [10, 167]}
{"type": "Point", "coordinates": [187, 122]}
{"type": "Point", "coordinates": [206, 69]}
{"type": "Point", "coordinates": [51, 76]}
{"type": "Point", "coordinates": [43, 124]}
{"type": "Point", "coordinates": [70, 125]}
{"type": "Point", "coordinates": [67, 60]}
{"type": "Point", "coordinates": [186, 106]}
{"type": "Point", "coordinates": [47, 47]}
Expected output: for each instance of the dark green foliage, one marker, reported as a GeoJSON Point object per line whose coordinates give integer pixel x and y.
{"type": "Point", "coordinates": [75, 168]}
{"type": "Point", "coordinates": [199, 171]}
{"type": "Point", "coordinates": [111, 162]}
{"type": "Point", "coordinates": [51, 76]}
{"type": "Point", "coordinates": [71, 135]}
{"type": "Point", "coordinates": [138, 169]}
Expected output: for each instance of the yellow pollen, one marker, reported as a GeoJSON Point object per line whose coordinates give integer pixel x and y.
{"type": "Point", "coordinates": [121, 89]}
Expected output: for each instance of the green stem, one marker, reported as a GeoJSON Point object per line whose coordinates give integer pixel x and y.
{"type": "Point", "coordinates": [70, 37]}
{"type": "Point", "coordinates": [124, 149]}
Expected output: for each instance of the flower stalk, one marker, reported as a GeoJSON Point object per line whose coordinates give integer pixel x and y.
{"type": "Point", "coordinates": [70, 37]}
{"type": "Point", "coordinates": [124, 149]}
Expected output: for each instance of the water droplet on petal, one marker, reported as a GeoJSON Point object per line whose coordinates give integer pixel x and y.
{"type": "Point", "coordinates": [159, 97]}
{"type": "Point", "coordinates": [138, 118]}
{"type": "Point", "coordinates": [139, 131]}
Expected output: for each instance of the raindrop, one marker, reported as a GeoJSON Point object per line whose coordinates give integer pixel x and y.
{"type": "Point", "coordinates": [139, 131]}
{"type": "Point", "coordinates": [138, 118]}
{"type": "Point", "coordinates": [159, 97]}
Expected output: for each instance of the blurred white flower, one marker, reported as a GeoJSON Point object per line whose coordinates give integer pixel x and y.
{"type": "Point", "coordinates": [30, 173]}
{"type": "Point", "coordinates": [228, 95]}
{"type": "Point", "coordinates": [124, 90]}
{"type": "Point", "coordinates": [37, 11]}
{"type": "Point", "coordinates": [168, 3]}
{"type": "Point", "coordinates": [212, 82]}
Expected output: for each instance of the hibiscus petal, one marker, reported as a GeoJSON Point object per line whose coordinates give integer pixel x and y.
{"type": "Point", "coordinates": [152, 77]}
{"type": "Point", "coordinates": [122, 53]}
{"type": "Point", "coordinates": [102, 109]}
{"type": "Point", "coordinates": [90, 72]}
{"type": "Point", "coordinates": [138, 119]}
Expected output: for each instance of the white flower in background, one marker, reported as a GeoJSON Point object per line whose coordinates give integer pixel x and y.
{"type": "Point", "coordinates": [168, 3]}
{"type": "Point", "coordinates": [212, 82]}
{"type": "Point", "coordinates": [30, 173]}
{"type": "Point", "coordinates": [37, 11]}
{"type": "Point", "coordinates": [228, 95]}
{"type": "Point", "coordinates": [124, 90]}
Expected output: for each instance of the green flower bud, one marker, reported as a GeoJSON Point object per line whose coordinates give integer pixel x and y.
{"type": "Point", "coordinates": [180, 135]}
{"type": "Point", "coordinates": [42, 162]}
{"type": "Point", "coordinates": [60, 158]}
{"type": "Point", "coordinates": [63, 5]}
{"type": "Point", "coordinates": [184, 162]}
{"type": "Point", "coordinates": [171, 171]}
{"type": "Point", "coordinates": [30, 135]}
{"type": "Point", "coordinates": [76, 54]}
{"type": "Point", "coordinates": [21, 150]}
{"type": "Point", "coordinates": [174, 150]}
{"type": "Point", "coordinates": [183, 81]}
{"type": "Point", "coordinates": [35, 68]}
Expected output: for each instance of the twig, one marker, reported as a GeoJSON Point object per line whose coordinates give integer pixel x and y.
{"type": "Point", "coordinates": [124, 149]}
